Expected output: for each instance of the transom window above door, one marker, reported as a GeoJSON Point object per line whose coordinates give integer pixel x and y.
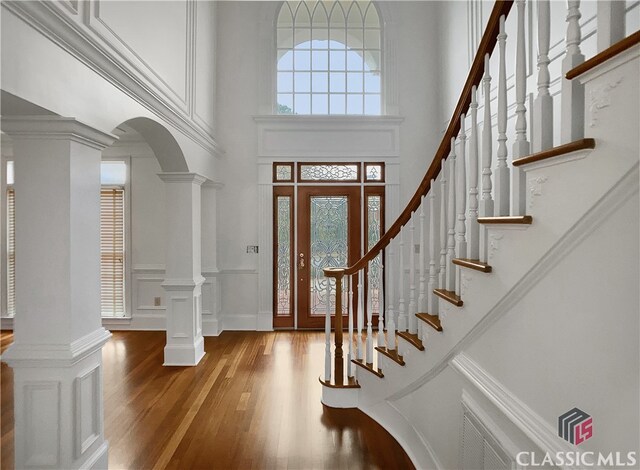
{"type": "Point", "coordinates": [329, 58]}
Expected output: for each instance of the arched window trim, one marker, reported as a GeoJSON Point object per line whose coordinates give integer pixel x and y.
{"type": "Point", "coordinates": [362, 96]}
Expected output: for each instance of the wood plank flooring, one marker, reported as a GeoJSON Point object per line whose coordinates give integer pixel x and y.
{"type": "Point", "coordinates": [253, 402]}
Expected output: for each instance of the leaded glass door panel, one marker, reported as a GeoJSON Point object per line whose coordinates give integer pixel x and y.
{"type": "Point", "coordinates": [328, 236]}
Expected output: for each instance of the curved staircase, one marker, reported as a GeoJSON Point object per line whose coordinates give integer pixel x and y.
{"type": "Point", "coordinates": [504, 324]}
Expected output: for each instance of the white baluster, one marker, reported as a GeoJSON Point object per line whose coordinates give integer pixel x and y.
{"type": "Point", "coordinates": [451, 218]}
{"type": "Point", "coordinates": [381, 341]}
{"type": "Point", "coordinates": [502, 170]}
{"type": "Point", "coordinates": [432, 307]}
{"type": "Point", "coordinates": [521, 145]}
{"type": "Point", "coordinates": [327, 333]}
{"type": "Point", "coordinates": [360, 333]}
{"type": "Point", "coordinates": [473, 229]}
{"type": "Point", "coordinates": [422, 301]}
{"type": "Point", "coordinates": [402, 314]}
{"type": "Point", "coordinates": [610, 19]}
{"type": "Point", "coordinates": [391, 321]}
{"type": "Point", "coordinates": [369, 322]}
{"type": "Point", "coordinates": [572, 125]}
{"type": "Point", "coordinates": [486, 203]}
{"type": "Point", "coordinates": [542, 138]}
{"type": "Point", "coordinates": [350, 307]}
{"type": "Point", "coordinates": [413, 321]}
{"type": "Point", "coordinates": [443, 227]}
{"type": "Point", "coordinates": [461, 195]}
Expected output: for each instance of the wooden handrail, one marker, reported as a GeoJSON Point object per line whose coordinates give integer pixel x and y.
{"type": "Point", "coordinates": [605, 55]}
{"type": "Point", "coordinates": [489, 39]}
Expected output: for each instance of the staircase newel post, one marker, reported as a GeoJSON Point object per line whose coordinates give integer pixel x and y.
{"type": "Point", "coordinates": [486, 203]}
{"type": "Point", "coordinates": [338, 367]}
{"type": "Point", "coordinates": [572, 125]}
{"type": "Point", "coordinates": [502, 170]}
{"type": "Point", "coordinates": [521, 146]}
{"type": "Point", "coordinates": [473, 229]}
{"type": "Point", "coordinates": [360, 316]}
{"type": "Point", "coordinates": [350, 307]}
{"type": "Point", "coordinates": [327, 333]}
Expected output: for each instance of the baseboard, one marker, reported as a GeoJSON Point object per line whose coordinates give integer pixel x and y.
{"type": "Point", "coordinates": [210, 325]}
{"type": "Point", "coordinates": [6, 324]}
{"type": "Point", "coordinates": [155, 322]}
{"type": "Point", "coordinates": [239, 322]}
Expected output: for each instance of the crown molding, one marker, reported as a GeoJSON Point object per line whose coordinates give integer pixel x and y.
{"type": "Point", "coordinates": [53, 23]}
{"type": "Point", "coordinates": [180, 177]}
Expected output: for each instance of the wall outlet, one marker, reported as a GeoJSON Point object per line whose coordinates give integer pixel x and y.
{"type": "Point", "coordinates": [157, 301]}
{"type": "Point", "coordinates": [252, 248]}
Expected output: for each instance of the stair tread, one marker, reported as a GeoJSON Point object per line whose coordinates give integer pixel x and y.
{"type": "Point", "coordinates": [369, 367]}
{"type": "Point", "coordinates": [473, 264]}
{"type": "Point", "coordinates": [558, 151]}
{"type": "Point", "coordinates": [449, 296]}
{"type": "Point", "coordinates": [513, 219]}
{"type": "Point", "coordinates": [431, 320]}
{"type": "Point", "coordinates": [412, 339]}
{"type": "Point", "coordinates": [350, 382]}
{"type": "Point", "coordinates": [391, 354]}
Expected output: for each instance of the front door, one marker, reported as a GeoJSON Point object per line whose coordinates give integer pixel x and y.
{"type": "Point", "coordinates": [328, 236]}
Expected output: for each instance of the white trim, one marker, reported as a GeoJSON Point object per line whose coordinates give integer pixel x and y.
{"type": "Point", "coordinates": [76, 39]}
{"type": "Point", "coordinates": [55, 355]}
{"type": "Point", "coordinates": [239, 322]}
{"type": "Point", "coordinates": [527, 420]}
{"type": "Point", "coordinates": [601, 210]}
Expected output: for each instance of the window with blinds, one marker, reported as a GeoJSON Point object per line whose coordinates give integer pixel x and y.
{"type": "Point", "coordinates": [11, 252]}
{"type": "Point", "coordinates": [112, 255]}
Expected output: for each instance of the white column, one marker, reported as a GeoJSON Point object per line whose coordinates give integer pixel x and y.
{"type": "Point", "coordinates": [451, 218]}
{"type": "Point", "coordinates": [422, 299]}
{"type": "Point", "coordinates": [58, 336]}
{"type": "Point", "coordinates": [610, 19]}
{"type": "Point", "coordinates": [572, 125]}
{"type": "Point", "coordinates": [412, 320]}
{"type": "Point", "coordinates": [183, 282]}
{"type": "Point", "coordinates": [432, 303]}
{"type": "Point", "coordinates": [442, 279]}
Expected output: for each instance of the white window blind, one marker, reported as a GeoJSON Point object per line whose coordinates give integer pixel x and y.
{"type": "Point", "coordinates": [11, 252]}
{"type": "Point", "coordinates": [112, 260]}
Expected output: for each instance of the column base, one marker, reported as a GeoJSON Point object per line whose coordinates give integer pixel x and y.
{"type": "Point", "coordinates": [184, 354]}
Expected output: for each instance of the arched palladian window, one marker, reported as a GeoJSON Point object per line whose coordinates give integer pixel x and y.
{"type": "Point", "coordinates": [329, 58]}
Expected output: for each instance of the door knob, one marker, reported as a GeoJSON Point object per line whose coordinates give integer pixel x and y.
{"type": "Point", "coordinates": [301, 261]}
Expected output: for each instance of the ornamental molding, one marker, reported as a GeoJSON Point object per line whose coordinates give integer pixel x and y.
{"type": "Point", "coordinates": [535, 188]}
{"type": "Point", "coordinates": [599, 98]}
{"type": "Point", "coordinates": [65, 30]}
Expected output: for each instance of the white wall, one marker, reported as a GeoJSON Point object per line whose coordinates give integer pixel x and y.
{"type": "Point", "coordinates": [245, 34]}
{"type": "Point", "coordinates": [108, 62]}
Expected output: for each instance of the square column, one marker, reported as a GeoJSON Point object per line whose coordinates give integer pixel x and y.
{"type": "Point", "coordinates": [183, 282]}
{"type": "Point", "coordinates": [58, 335]}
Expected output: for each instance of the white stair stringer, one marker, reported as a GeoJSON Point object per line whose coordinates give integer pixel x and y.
{"type": "Point", "coordinates": [565, 197]}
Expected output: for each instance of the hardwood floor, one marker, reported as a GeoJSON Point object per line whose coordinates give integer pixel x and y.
{"type": "Point", "coordinates": [253, 402]}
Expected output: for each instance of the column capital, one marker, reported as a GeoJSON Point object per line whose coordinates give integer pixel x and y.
{"type": "Point", "coordinates": [182, 177]}
{"type": "Point", "coordinates": [57, 128]}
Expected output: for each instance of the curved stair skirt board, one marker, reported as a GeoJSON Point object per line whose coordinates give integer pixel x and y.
{"type": "Point", "coordinates": [334, 397]}
{"type": "Point", "coordinates": [410, 439]}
